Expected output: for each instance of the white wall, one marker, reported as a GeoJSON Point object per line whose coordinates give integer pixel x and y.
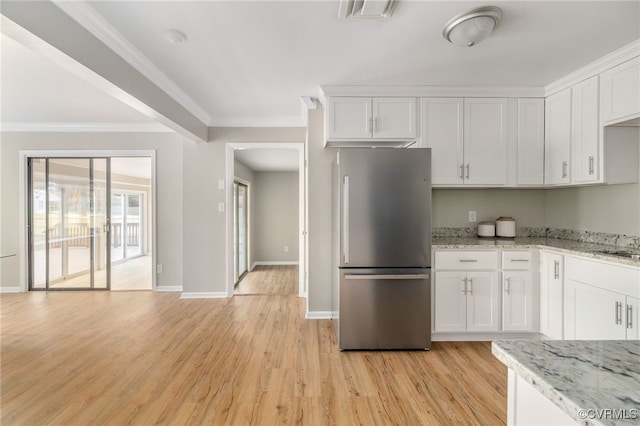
{"type": "Point", "coordinates": [168, 148]}
{"type": "Point", "coordinates": [275, 216]}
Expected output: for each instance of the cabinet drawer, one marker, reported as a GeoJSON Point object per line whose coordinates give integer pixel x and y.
{"type": "Point", "coordinates": [621, 279]}
{"type": "Point", "coordinates": [516, 259]}
{"type": "Point", "coordinates": [466, 260]}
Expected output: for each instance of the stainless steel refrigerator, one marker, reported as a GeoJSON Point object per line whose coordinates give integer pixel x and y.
{"type": "Point", "coordinates": [382, 248]}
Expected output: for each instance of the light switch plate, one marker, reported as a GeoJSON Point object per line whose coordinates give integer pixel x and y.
{"type": "Point", "coordinates": [472, 216]}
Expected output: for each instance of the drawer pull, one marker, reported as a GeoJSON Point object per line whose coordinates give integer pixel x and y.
{"type": "Point", "coordinates": [468, 260]}
{"type": "Point", "coordinates": [519, 260]}
{"type": "Point", "coordinates": [556, 269]}
{"type": "Point", "coordinates": [507, 287]}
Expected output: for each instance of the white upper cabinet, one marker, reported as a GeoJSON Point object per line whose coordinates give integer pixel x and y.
{"type": "Point", "coordinates": [468, 138]}
{"type": "Point", "coordinates": [485, 141]}
{"type": "Point", "coordinates": [585, 130]}
{"type": "Point", "coordinates": [557, 137]}
{"type": "Point", "coordinates": [621, 92]}
{"type": "Point", "coordinates": [365, 118]}
{"type": "Point", "coordinates": [441, 127]}
{"type": "Point", "coordinates": [530, 168]}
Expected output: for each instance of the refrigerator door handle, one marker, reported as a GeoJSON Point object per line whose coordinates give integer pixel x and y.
{"type": "Point", "coordinates": [386, 276]}
{"type": "Point", "coordinates": [345, 221]}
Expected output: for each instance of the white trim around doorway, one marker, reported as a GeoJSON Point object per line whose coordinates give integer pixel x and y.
{"type": "Point", "coordinates": [24, 156]}
{"type": "Point", "coordinates": [302, 209]}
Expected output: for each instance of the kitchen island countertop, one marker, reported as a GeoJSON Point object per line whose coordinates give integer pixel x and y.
{"type": "Point", "coordinates": [580, 377]}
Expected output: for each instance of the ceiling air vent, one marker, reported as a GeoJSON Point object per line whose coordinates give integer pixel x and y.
{"type": "Point", "coordinates": [366, 8]}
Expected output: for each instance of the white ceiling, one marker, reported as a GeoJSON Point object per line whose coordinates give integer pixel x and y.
{"type": "Point", "coordinates": [247, 63]}
{"type": "Point", "coordinates": [269, 159]}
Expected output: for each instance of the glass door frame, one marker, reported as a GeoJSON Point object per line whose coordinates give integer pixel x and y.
{"type": "Point", "coordinates": [237, 183]}
{"type": "Point", "coordinates": [142, 221]}
{"type": "Point", "coordinates": [92, 206]}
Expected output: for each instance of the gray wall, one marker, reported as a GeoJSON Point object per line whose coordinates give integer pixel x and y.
{"type": "Point", "coordinates": [169, 189]}
{"type": "Point", "coordinates": [275, 216]}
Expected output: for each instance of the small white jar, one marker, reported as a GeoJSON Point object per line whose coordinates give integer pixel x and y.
{"type": "Point", "coordinates": [505, 227]}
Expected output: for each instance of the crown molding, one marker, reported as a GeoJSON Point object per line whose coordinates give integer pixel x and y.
{"type": "Point", "coordinates": [596, 67]}
{"type": "Point", "coordinates": [86, 127]}
{"type": "Point", "coordinates": [435, 91]}
{"type": "Point", "coordinates": [87, 17]}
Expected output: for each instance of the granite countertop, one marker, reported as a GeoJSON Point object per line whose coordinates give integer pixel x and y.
{"type": "Point", "coordinates": [592, 250]}
{"type": "Point", "coordinates": [580, 375]}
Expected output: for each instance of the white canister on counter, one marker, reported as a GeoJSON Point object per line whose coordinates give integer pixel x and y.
{"type": "Point", "coordinates": [486, 229]}
{"type": "Point", "coordinates": [505, 227]}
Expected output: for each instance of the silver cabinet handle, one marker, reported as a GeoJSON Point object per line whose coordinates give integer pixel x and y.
{"type": "Point", "coordinates": [519, 260]}
{"type": "Point", "coordinates": [386, 276]}
{"type": "Point", "coordinates": [564, 169]}
{"type": "Point", "coordinates": [467, 170]}
{"type": "Point", "coordinates": [462, 171]}
{"type": "Point", "coordinates": [464, 289]}
{"type": "Point", "coordinates": [470, 281]}
{"type": "Point", "coordinates": [592, 167]}
{"type": "Point", "coordinates": [507, 287]}
{"type": "Point", "coordinates": [556, 269]}
{"type": "Point", "coordinates": [618, 312]}
{"type": "Point", "coordinates": [345, 220]}
{"type": "Point", "coordinates": [468, 260]}
{"type": "Point", "coordinates": [629, 317]}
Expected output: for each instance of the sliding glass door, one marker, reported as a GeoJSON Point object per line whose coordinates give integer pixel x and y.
{"type": "Point", "coordinates": [127, 225]}
{"type": "Point", "coordinates": [240, 226]}
{"type": "Point", "coordinates": [69, 224]}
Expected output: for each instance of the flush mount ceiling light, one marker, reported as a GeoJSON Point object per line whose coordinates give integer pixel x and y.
{"type": "Point", "coordinates": [470, 28]}
{"type": "Point", "coordinates": [366, 8]}
{"type": "Point", "coordinates": [175, 36]}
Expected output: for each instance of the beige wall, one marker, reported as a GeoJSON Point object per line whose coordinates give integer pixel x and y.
{"type": "Point", "coordinates": [275, 217]}
{"type": "Point", "coordinates": [451, 206]}
{"type": "Point", "coordinates": [168, 147]}
{"type": "Point", "coordinates": [245, 173]}
{"type": "Point", "coordinates": [613, 209]}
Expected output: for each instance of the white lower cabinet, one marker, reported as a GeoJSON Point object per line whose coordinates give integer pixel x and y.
{"type": "Point", "coordinates": [601, 301]}
{"type": "Point", "coordinates": [517, 301]}
{"type": "Point", "coordinates": [467, 301]}
{"type": "Point", "coordinates": [551, 295]}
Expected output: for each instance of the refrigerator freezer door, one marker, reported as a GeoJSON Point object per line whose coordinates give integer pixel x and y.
{"type": "Point", "coordinates": [385, 207]}
{"type": "Point", "coordinates": [384, 309]}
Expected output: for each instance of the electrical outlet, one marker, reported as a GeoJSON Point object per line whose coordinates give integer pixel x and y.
{"type": "Point", "coordinates": [159, 268]}
{"type": "Point", "coordinates": [220, 183]}
{"type": "Point", "coordinates": [221, 207]}
{"type": "Point", "coordinates": [472, 216]}
{"type": "Point", "coordinates": [286, 248]}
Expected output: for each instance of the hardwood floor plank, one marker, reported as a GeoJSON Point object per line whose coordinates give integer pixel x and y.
{"type": "Point", "coordinates": [143, 358]}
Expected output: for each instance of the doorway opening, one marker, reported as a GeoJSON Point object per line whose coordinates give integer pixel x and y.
{"type": "Point", "coordinates": [89, 222]}
{"type": "Point", "coordinates": [275, 248]}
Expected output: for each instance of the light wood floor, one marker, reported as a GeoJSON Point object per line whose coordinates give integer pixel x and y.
{"type": "Point", "coordinates": [269, 279]}
{"type": "Point", "coordinates": [141, 358]}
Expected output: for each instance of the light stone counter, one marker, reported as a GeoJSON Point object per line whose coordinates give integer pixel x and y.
{"type": "Point", "coordinates": [580, 377]}
{"type": "Point", "coordinates": [591, 250]}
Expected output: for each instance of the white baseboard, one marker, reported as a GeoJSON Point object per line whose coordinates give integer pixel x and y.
{"type": "Point", "coordinates": [11, 290]}
{"type": "Point", "coordinates": [169, 288]}
{"type": "Point", "coordinates": [317, 315]}
{"type": "Point", "coordinates": [203, 295]}
{"type": "Point", "coordinates": [482, 337]}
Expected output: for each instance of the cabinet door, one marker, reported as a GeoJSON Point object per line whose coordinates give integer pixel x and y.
{"type": "Point", "coordinates": [394, 118]}
{"type": "Point", "coordinates": [441, 128]}
{"type": "Point", "coordinates": [621, 92]}
{"type": "Point", "coordinates": [585, 131]}
{"type": "Point", "coordinates": [450, 301]}
{"type": "Point", "coordinates": [592, 313]}
{"type": "Point", "coordinates": [557, 148]}
{"type": "Point", "coordinates": [483, 301]}
{"type": "Point", "coordinates": [530, 141]}
{"type": "Point", "coordinates": [517, 301]}
{"type": "Point", "coordinates": [632, 316]}
{"type": "Point", "coordinates": [349, 118]}
{"type": "Point", "coordinates": [485, 141]}
{"type": "Point", "coordinates": [551, 296]}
